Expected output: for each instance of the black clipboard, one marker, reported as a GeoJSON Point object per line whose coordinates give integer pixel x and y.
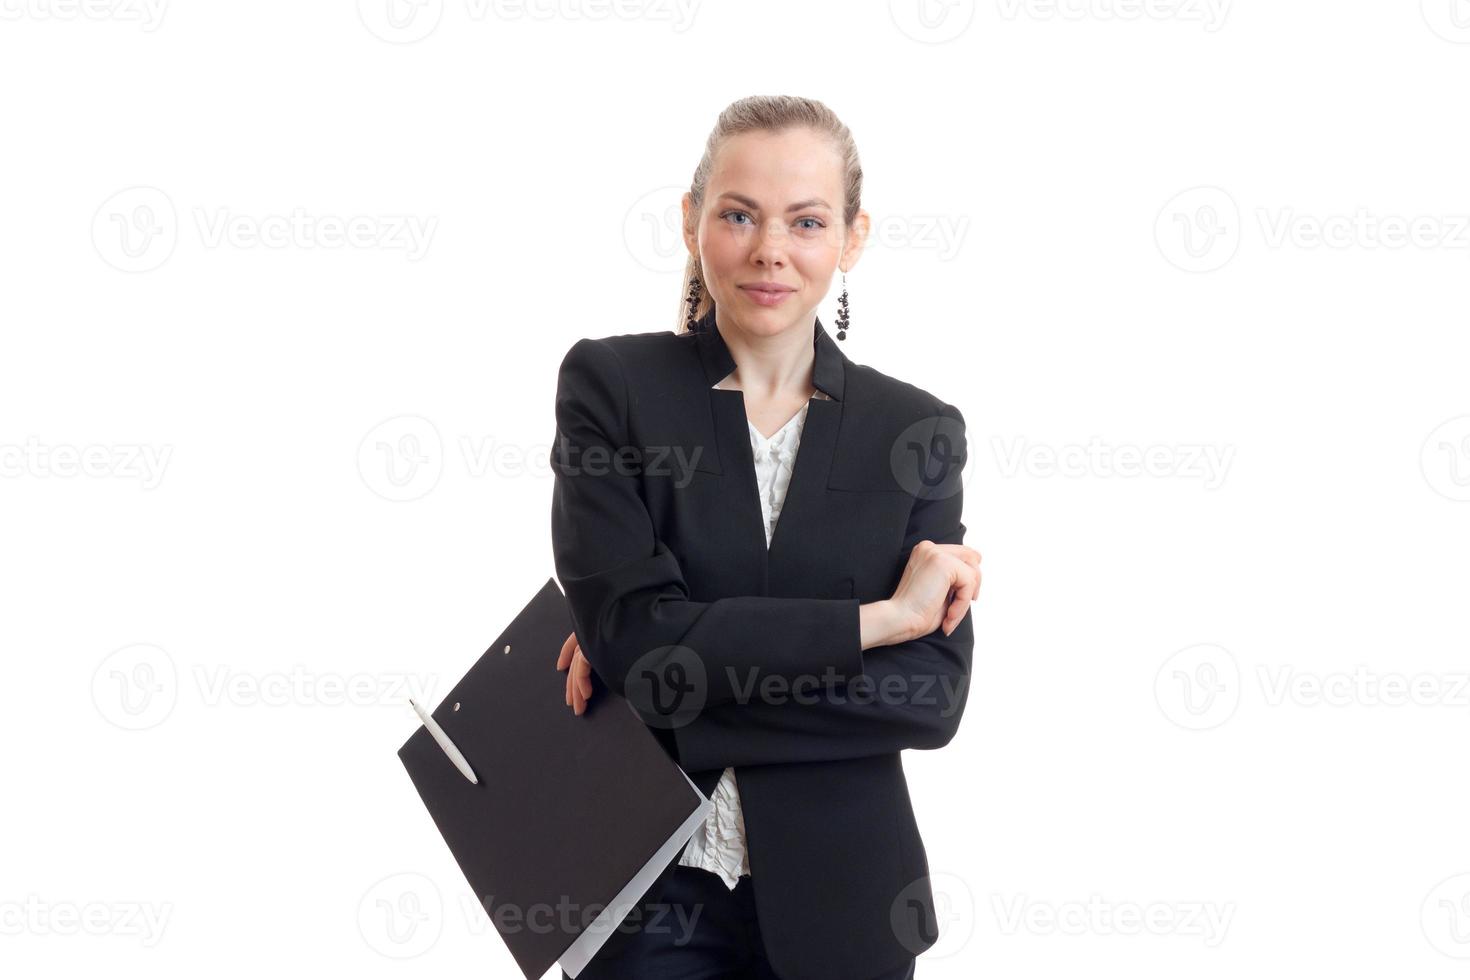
{"type": "Point", "coordinates": [573, 817]}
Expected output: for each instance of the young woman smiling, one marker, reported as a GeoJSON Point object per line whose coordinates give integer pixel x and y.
{"type": "Point", "coordinates": [799, 581]}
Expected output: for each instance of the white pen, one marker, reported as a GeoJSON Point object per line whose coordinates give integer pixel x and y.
{"type": "Point", "coordinates": [449, 748]}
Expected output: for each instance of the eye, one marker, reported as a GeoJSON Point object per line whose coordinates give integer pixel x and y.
{"type": "Point", "coordinates": [811, 227]}
{"type": "Point", "coordinates": [729, 213]}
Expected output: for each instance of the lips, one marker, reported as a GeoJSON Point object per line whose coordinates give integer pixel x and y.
{"type": "Point", "coordinates": [767, 289]}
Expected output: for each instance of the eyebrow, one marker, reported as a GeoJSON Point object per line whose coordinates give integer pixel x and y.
{"type": "Point", "coordinates": [811, 202]}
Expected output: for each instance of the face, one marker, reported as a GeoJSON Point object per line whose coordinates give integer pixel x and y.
{"type": "Point", "coordinates": [773, 216]}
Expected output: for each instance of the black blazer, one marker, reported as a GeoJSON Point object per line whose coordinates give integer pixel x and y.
{"type": "Point", "coordinates": [678, 604]}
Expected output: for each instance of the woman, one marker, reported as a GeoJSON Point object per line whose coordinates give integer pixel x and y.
{"type": "Point", "coordinates": [761, 546]}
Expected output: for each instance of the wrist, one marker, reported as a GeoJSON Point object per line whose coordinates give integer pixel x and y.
{"type": "Point", "coordinates": [881, 623]}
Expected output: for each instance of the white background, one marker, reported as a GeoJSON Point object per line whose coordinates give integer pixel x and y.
{"type": "Point", "coordinates": [1226, 697]}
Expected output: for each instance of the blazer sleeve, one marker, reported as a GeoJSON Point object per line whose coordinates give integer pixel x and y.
{"type": "Point", "coordinates": [911, 697]}
{"type": "Point", "coordinates": [629, 602]}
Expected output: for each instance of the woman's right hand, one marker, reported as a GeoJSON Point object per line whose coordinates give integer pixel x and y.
{"type": "Point", "coordinates": [579, 674]}
{"type": "Point", "coordinates": [936, 589]}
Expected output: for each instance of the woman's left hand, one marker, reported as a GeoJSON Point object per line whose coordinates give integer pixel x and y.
{"type": "Point", "coordinates": [936, 587]}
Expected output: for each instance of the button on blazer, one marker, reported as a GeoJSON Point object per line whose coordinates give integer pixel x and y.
{"type": "Point", "coordinates": [659, 544]}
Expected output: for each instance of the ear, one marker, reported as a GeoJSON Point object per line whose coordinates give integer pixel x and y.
{"type": "Point", "coordinates": [857, 238]}
{"type": "Point", "coordinates": [691, 233]}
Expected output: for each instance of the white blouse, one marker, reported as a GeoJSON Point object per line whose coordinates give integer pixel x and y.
{"type": "Point", "coordinates": [719, 843]}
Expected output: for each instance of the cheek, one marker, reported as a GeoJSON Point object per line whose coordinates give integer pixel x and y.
{"type": "Point", "coordinates": [722, 251]}
{"type": "Point", "coordinates": [816, 266]}
{"type": "Point", "coordinates": [817, 252]}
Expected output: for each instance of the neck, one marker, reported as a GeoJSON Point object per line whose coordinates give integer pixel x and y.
{"type": "Point", "coordinates": [770, 364]}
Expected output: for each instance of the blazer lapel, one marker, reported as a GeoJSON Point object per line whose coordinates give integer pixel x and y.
{"type": "Point", "coordinates": [811, 473]}
{"type": "Point", "coordinates": [829, 367]}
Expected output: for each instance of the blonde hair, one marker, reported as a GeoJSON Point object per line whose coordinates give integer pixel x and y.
{"type": "Point", "coordinates": [768, 113]}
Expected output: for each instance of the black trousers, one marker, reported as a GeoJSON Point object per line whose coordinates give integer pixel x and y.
{"type": "Point", "coordinates": [689, 926]}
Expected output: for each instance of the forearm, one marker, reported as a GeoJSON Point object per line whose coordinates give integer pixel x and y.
{"type": "Point", "coordinates": [911, 696]}
{"type": "Point", "coordinates": [882, 623]}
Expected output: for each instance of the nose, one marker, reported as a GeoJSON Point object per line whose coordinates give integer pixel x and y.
{"type": "Point", "coordinates": [770, 244]}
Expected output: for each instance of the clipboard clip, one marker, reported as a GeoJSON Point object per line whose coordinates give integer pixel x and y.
{"type": "Point", "coordinates": [450, 749]}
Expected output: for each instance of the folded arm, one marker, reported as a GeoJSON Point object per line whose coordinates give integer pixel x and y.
{"type": "Point", "coordinates": [629, 602]}
{"type": "Point", "coordinates": [911, 697]}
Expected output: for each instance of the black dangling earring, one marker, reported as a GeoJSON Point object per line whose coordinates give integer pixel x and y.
{"type": "Point", "coordinates": [842, 310]}
{"type": "Point", "coordinates": [693, 300]}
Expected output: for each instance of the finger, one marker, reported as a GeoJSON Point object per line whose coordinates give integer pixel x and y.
{"type": "Point", "coordinates": [958, 567]}
{"type": "Point", "coordinates": [955, 614]}
{"type": "Point", "coordinates": [971, 584]}
{"type": "Point", "coordinates": [567, 647]}
{"type": "Point", "coordinates": [583, 676]}
{"type": "Point", "coordinates": [964, 596]}
{"type": "Point", "coordinates": [966, 586]}
{"type": "Point", "coordinates": [963, 552]}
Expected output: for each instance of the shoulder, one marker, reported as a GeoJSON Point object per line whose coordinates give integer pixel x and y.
{"type": "Point", "coordinates": [609, 366]}
{"type": "Point", "coordinates": [893, 399]}
{"type": "Point", "coordinates": [624, 352]}
{"type": "Point", "coordinates": [597, 374]}
{"type": "Point", "coordinates": [908, 434]}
